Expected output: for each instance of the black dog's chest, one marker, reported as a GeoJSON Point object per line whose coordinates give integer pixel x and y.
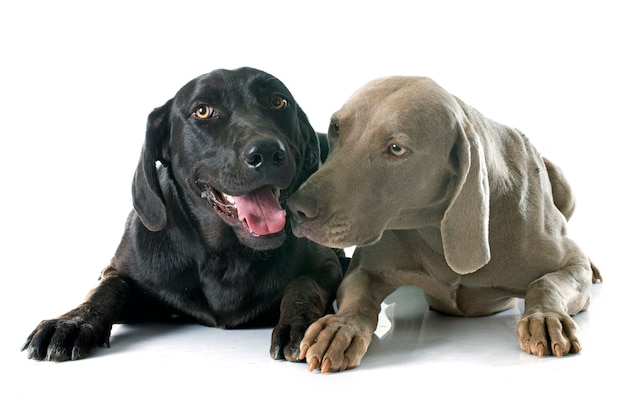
{"type": "Point", "coordinates": [226, 290]}
{"type": "Point", "coordinates": [224, 271]}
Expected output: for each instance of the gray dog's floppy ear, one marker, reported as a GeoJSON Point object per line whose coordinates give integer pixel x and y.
{"type": "Point", "coordinates": [147, 195]}
{"type": "Point", "coordinates": [465, 224]}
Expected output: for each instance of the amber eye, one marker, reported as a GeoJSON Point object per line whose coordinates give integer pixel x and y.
{"type": "Point", "coordinates": [397, 150]}
{"type": "Point", "coordinates": [204, 112]}
{"type": "Point", "coordinates": [278, 102]}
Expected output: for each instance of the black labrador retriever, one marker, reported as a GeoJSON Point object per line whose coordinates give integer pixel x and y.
{"type": "Point", "coordinates": [208, 239]}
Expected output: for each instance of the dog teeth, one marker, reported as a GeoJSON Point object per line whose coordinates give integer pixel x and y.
{"type": "Point", "coordinates": [229, 198]}
{"type": "Point", "coordinates": [276, 192]}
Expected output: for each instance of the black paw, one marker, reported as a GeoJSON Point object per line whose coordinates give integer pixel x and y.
{"type": "Point", "coordinates": [286, 341]}
{"type": "Point", "coordinates": [66, 338]}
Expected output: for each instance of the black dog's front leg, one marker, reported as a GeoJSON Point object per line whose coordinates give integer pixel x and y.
{"type": "Point", "coordinates": [77, 333]}
{"type": "Point", "coordinates": [306, 298]}
{"type": "Point", "coordinates": [303, 303]}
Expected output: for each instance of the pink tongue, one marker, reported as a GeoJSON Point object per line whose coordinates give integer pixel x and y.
{"type": "Point", "coordinates": [261, 211]}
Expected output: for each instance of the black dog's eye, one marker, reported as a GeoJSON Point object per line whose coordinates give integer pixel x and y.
{"type": "Point", "coordinates": [204, 112]}
{"type": "Point", "coordinates": [278, 102]}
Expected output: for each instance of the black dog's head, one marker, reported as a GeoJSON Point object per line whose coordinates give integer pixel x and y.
{"type": "Point", "coordinates": [237, 145]}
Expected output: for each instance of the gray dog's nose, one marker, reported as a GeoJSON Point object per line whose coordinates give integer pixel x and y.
{"type": "Point", "coordinates": [303, 206]}
{"type": "Point", "coordinates": [264, 152]}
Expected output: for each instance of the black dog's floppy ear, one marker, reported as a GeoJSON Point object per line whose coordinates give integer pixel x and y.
{"type": "Point", "coordinates": [311, 156]}
{"type": "Point", "coordinates": [324, 147]}
{"type": "Point", "coordinates": [147, 195]}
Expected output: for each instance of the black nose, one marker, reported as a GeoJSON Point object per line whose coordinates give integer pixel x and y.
{"type": "Point", "coordinates": [264, 152]}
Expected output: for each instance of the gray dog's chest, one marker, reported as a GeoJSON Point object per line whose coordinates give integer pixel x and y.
{"type": "Point", "coordinates": [418, 262]}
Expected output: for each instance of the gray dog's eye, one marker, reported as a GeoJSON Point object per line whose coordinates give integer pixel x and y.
{"type": "Point", "coordinates": [278, 102]}
{"type": "Point", "coordinates": [397, 150]}
{"type": "Point", "coordinates": [204, 112]}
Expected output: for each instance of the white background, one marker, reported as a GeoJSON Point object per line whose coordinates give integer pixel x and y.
{"type": "Point", "coordinates": [78, 79]}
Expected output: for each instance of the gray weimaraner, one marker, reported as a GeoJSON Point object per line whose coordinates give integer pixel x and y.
{"type": "Point", "coordinates": [437, 196]}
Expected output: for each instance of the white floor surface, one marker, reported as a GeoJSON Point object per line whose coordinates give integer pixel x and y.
{"type": "Point", "coordinates": [417, 356]}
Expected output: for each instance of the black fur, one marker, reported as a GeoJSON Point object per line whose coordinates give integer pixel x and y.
{"type": "Point", "coordinates": [178, 257]}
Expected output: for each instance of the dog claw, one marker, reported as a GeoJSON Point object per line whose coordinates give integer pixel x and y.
{"type": "Point", "coordinates": [276, 353]}
{"type": "Point", "coordinates": [313, 364]}
{"type": "Point", "coordinates": [540, 350]}
{"type": "Point", "coordinates": [302, 352]}
{"type": "Point", "coordinates": [75, 353]}
{"type": "Point", "coordinates": [558, 351]}
{"type": "Point", "coordinates": [325, 366]}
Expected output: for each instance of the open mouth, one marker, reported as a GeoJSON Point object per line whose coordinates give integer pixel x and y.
{"type": "Point", "coordinates": [258, 212]}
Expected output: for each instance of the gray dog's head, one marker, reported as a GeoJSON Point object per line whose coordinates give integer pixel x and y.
{"type": "Point", "coordinates": [402, 156]}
